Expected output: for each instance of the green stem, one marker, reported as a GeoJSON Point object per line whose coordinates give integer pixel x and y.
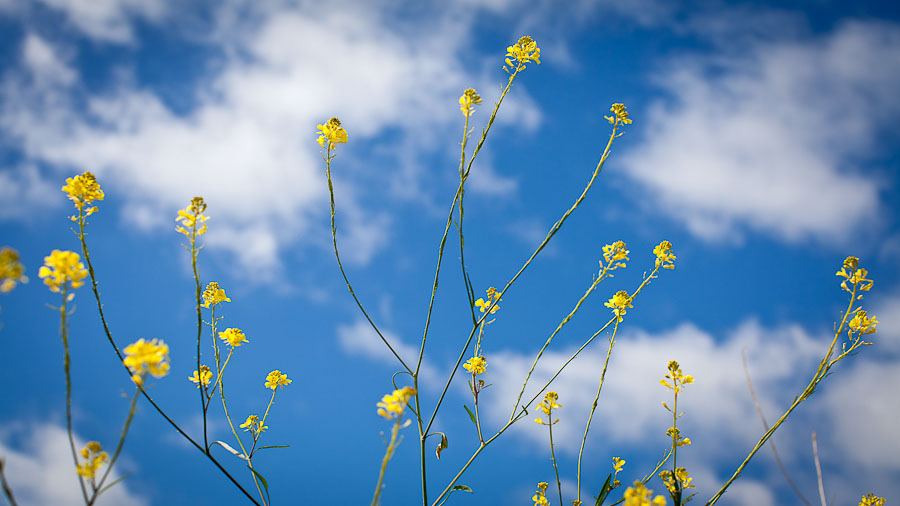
{"type": "Point", "coordinates": [194, 253]}
{"type": "Point", "coordinates": [112, 461]}
{"type": "Point", "coordinates": [612, 342]}
{"type": "Point", "coordinates": [387, 457]}
{"type": "Point", "coordinates": [64, 332]}
{"type": "Point", "coordinates": [553, 457]}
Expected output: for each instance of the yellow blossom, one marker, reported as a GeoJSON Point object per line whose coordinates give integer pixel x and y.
{"type": "Point", "coordinates": [619, 302]}
{"type": "Point", "coordinates": [539, 498]}
{"type": "Point", "coordinates": [393, 404]}
{"type": "Point", "coordinates": [618, 463]}
{"type": "Point", "coordinates": [614, 254]}
{"type": "Point", "coordinates": [476, 365]}
{"type": "Point", "coordinates": [855, 275]}
{"type": "Point", "coordinates": [547, 406]}
{"type": "Point", "coordinates": [675, 377]}
{"type": "Point", "coordinates": [492, 296]}
{"type": "Point", "coordinates": [63, 269]}
{"type": "Point", "coordinates": [214, 295]}
{"type": "Point", "coordinates": [192, 219]}
{"type": "Point", "coordinates": [664, 256]}
{"type": "Point", "coordinates": [639, 495]}
{"type": "Point", "coordinates": [276, 378]}
{"type": "Point", "coordinates": [144, 357]}
{"type": "Point", "coordinates": [234, 337]}
{"type": "Point", "coordinates": [331, 133]}
{"type": "Point", "coordinates": [83, 190]}
{"type": "Point", "coordinates": [253, 426]}
{"type": "Point", "coordinates": [468, 101]}
{"type": "Point", "coordinates": [94, 458]}
{"type": "Point", "coordinates": [619, 114]}
{"type": "Point", "coordinates": [11, 270]}
{"type": "Point", "coordinates": [524, 51]}
{"type": "Point", "coordinates": [205, 376]}
{"type": "Point", "coordinates": [677, 480]}
{"type": "Point", "coordinates": [871, 500]}
{"type": "Point", "coordinates": [862, 324]}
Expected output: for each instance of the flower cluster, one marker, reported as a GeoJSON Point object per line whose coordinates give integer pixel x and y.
{"type": "Point", "coordinates": [253, 426]}
{"type": "Point", "coordinates": [331, 133]}
{"type": "Point", "coordinates": [618, 463]}
{"type": "Point", "coordinates": [524, 51]}
{"type": "Point", "coordinates": [851, 272]}
{"type": "Point", "coordinates": [63, 270]}
{"type": "Point", "coordinates": [619, 114]}
{"type": "Point", "coordinates": [539, 498]}
{"type": "Point", "coordinates": [677, 480]}
{"type": "Point", "coordinates": [204, 377]}
{"type": "Point", "coordinates": [862, 324]}
{"type": "Point", "coordinates": [276, 378]}
{"type": "Point", "coordinates": [144, 357]}
{"type": "Point", "coordinates": [83, 190]}
{"type": "Point", "coordinates": [547, 405]}
{"type": "Point", "coordinates": [615, 254]}
{"type": "Point", "coordinates": [639, 495]}
{"type": "Point", "coordinates": [234, 337]}
{"type": "Point", "coordinates": [214, 295]}
{"type": "Point", "coordinates": [476, 365]}
{"type": "Point", "coordinates": [871, 500]}
{"type": "Point", "coordinates": [192, 219]}
{"type": "Point", "coordinates": [675, 377]}
{"type": "Point", "coordinates": [468, 101]}
{"type": "Point", "coordinates": [11, 270]}
{"type": "Point", "coordinates": [664, 256]}
{"type": "Point", "coordinates": [493, 296]}
{"type": "Point", "coordinates": [619, 302]}
{"type": "Point", "coordinates": [393, 404]}
{"type": "Point", "coordinates": [94, 458]}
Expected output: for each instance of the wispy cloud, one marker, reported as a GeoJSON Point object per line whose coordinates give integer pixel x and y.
{"type": "Point", "coordinates": [772, 140]}
{"type": "Point", "coordinates": [360, 339]}
{"type": "Point", "coordinates": [40, 470]}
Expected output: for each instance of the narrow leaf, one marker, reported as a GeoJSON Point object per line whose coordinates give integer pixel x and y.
{"type": "Point", "coordinates": [117, 480]}
{"type": "Point", "coordinates": [471, 415]}
{"type": "Point", "coordinates": [273, 446]}
{"type": "Point", "coordinates": [464, 488]}
{"type": "Point", "coordinates": [441, 446]}
{"type": "Point", "coordinates": [230, 449]}
{"type": "Point", "coordinates": [604, 491]}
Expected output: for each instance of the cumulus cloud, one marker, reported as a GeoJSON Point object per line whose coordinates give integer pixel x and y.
{"type": "Point", "coordinates": [361, 339]}
{"type": "Point", "coordinates": [242, 144]}
{"type": "Point", "coordinates": [772, 140]}
{"type": "Point", "coordinates": [38, 466]}
{"type": "Point", "coordinates": [108, 20]}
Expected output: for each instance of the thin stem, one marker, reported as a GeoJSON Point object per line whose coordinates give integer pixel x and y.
{"type": "Point", "coordinates": [553, 457]}
{"type": "Point", "coordinates": [263, 422]}
{"type": "Point", "coordinates": [131, 410]}
{"type": "Point", "coordinates": [64, 332]}
{"type": "Point", "coordinates": [612, 341]}
{"type": "Point", "coordinates": [233, 431]}
{"type": "Point", "coordinates": [462, 262]}
{"type": "Point", "coordinates": [194, 253]}
{"type": "Point", "coordinates": [389, 452]}
{"type": "Point", "coordinates": [202, 449]}
{"type": "Point", "coordinates": [6, 490]}
{"type": "Point", "coordinates": [815, 446]}
{"type": "Point", "coordinates": [337, 255]}
{"type": "Point", "coordinates": [762, 417]}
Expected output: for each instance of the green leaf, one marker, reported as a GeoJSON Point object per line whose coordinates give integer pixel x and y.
{"type": "Point", "coordinates": [604, 491]}
{"type": "Point", "coordinates": [263, 480]}
{"type": "Point", "coordinates": [230, 449]}
{"type": "Point", "coordinates": [471, 415]}
{"type": "Point", "coordinates": [120, 478]}
{"type": "Point", "coordinates": [273, 446]}
{"type": "Point", "coordinates": [441, 446]}
{"type": "Point", "coordinates": [464, 488]}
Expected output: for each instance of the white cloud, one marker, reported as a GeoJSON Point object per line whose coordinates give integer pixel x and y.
{"type": "Point", "coordinates": [44, 61]}
{"type": "Point", "coordinates": [22, 192]}
{"type": "Point", "coordinates": [360, 339]}
{"type": "Point", "coordinates": [773, 140]}
{"type": "Point", "coordinates": [40, 471]}
{"type": "Point", "coordinates": [108, 20]}
{"type": "Point", "coordinates": [247, 143]}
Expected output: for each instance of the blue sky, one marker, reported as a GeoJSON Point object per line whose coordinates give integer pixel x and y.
{"type": "Point", "coordinates": [764, 147]}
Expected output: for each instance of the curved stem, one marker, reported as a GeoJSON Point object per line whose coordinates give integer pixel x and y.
{"type": "Point", "coordinates": [6, 490]}
{"type": "Point", "coordinates": [131, 410]}
{"type": "Point", "coordinates": [64, 332]}
{"type": "Point", "coordinates": [395, 430]}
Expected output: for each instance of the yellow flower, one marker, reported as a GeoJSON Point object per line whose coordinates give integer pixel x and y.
{"type": "Point", "coordinates": [144, 357]}
{"type": "Point", "coordinates": [539, 498]}
{"type": "Point", "coordinates": [664, 256]}
{"type": "Point", "coordinates": [94, 457]}
{"type": "Point", "coordinates": [619, 114]}
{"type": "Point", "coordinates": [547, 405]}
{"type": "Point", "coordinates": [617, 468]}
{"type": "Point", "coordinates": [214, 295]}
{"type": "Point", "coordinates": [205, 376]}
{"type": "Point", "coordinates": [83, 190]}
{"type": "Point", "coordinates": [492, 296]}
{"type": "Point", "coordinates": [192, 219]}
{"type": "Point", "coordinates": [63, 268]}
{"type": "Point", "coordinates": [476, 365]}
{"type": "Point", "coordinates": [468, 101]}
{"type": "Point", "coordinates": [233, 337]}
{"type": "Point", "coordinates": [677, 480]}
{"type": "Point", "coordinates": [524, 51]}
{"type": "Point", "coordinates": [855, 275]}
{"type": "Point", "coordinates": [639, 495]}
{"type": "Point", "coordinates": [677, 379]}
{"type": "Point", "coordinates": [871, 500]}
{"type": "Point", "coordinates": [331, 133]}
{"type": "Point", "coordinates": [862, 324]}
{"type": "Point", "coordinates": [11, 270]}
{"type": "Point", "coordinates": [393, 404]}
{"type": "Point", "coordinates": [276, 378]}
{"type": "Point", "coordinates": [619, 302]}
{"type": "Point", "coordinates": [614, 254]}
{"type": "Point", "coordinates": [253, 426]}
